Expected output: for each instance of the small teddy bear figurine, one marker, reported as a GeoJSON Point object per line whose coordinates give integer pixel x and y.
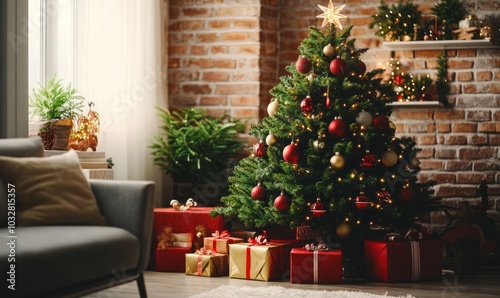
{"type": "Point", "coordinates": [166, 238]}
{"type": "Point", "coordinates": [201, 232]}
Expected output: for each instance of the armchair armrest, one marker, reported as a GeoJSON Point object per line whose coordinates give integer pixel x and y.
{"type": "Point", "coordinates": [128, 205]}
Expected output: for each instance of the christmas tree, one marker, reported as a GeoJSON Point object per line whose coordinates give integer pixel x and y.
{"type": "Point", "coordinates": [328, 156]}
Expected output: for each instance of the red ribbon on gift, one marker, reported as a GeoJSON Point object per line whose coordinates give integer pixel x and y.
{"type": "Point", "coordinates": [223, 234]}
{"type": "Point", "coordinates": [316, 249]}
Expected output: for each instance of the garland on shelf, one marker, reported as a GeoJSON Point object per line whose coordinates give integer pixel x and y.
{"type": "Point", "coordinates": [442, 79]}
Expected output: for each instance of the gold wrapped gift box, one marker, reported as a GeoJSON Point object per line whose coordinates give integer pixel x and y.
{"type": "Point", "coordinates": [259, 262]}
{"type": "Point", "coordinates": [220, 245]}
{"type": "Point", "coordinates": [207, 265]}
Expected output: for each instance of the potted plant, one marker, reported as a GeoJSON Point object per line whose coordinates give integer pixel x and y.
{"type": "Point", "coordinates": [197, 150]}
{"type": "Point", "coordinates": [56, 106]}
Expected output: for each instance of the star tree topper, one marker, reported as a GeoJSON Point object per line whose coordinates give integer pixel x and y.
{"type": "Point", "coordinates": [331, 14]}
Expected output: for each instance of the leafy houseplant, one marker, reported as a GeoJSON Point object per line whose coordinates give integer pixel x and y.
{"type": "Point", "coordinates": [196, 148]}
{"type": "Point", "coordinates": [58, 105]}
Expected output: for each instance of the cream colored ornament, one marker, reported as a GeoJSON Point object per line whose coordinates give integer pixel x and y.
{"type": "Point", "coordinates": [272, 108]}
{"type": "Point", "coordinates": [329, 51]}
{"type": "Point", "coordinates": [271, 139]}
{"type": "Point", "coordinates": [389, 158]}
{"type": "Point", "coordinates": [337, 162]}
{"type": "Point", "coordinates": [364, 118]}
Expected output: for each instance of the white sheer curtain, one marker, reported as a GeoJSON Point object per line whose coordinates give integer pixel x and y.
{"type": "Point", "coordinates": [119, 68]}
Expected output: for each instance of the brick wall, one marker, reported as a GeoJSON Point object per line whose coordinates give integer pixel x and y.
{"type": "Point", "coordinates": [225, 55]}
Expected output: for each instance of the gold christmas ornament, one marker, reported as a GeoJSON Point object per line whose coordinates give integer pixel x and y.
{"type": "Point", "coordinates": [415, 162]}
{"type": "Point", "coordinates": [272, 108]}
{"type": "Point", "coordinates": [337, 162]}
{"type": "Point", "coordinates": [271, 139]}
{"type": "Point", "coordinates": [343, 230]}
{"type": "Point", "coordinates": [389, 158]}
{"type": "Point", "coordinates": [318, 145]}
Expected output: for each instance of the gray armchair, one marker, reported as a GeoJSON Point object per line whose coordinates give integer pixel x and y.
{"type": "Point", "coordinates": [75, 260]}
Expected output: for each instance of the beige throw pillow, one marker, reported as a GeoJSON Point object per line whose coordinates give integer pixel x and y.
{"type": "Point", "coordinates": [50, 190]}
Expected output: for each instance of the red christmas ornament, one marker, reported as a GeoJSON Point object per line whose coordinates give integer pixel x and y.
{"type": "Point", "coordinates": [303, 65]}
{"type": "Point", "coordinates": [258, 192]}
{"type": "Point", "coordinates": [291, 154]}
{"type": "Point", "coordinates": [361, 68]}
{"type": "Point", "coordinates": [282, 203]}
{"type": "Point", "coordinates": [259, 149]}
{"type": "Point", "coordinates": [400, 97]}
{"type": "Point", "coordinates": [338, 66]}
{"type": "Point", "coordinates": [362, 201]}
{"type": "Point", "coordinates": [368, 160]}
{"type": "Point", "coordinates": [337, 128]}
{"type": "Point", "coordinates": [318, 208]}
{"type": "Point", "coordinates": [306, 105]}
{"type": "Point", "coordinates": [398, 80]}
{"type": "Point", "coordinates": [381, 122]}
{"type": "Point", "coordinates": [407, 195]}
{"type": "Point", "coordinates": [328, 102]}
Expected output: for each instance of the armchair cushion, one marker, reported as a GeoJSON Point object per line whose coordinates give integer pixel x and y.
{"type": "Point", "coordinates": [49, 191]}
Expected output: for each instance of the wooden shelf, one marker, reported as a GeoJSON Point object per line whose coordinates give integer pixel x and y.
{"type": "Point", "coordinates": [440, 44]}
{"type": "Point", "coordinates": [420, 104]}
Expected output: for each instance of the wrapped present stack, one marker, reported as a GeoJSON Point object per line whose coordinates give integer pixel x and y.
{"type": "Point", "coordinates": [181, 221]}
{"type": "Point", "coordinates": [316, 264]}
{"type": "Point", "coordinates": [212, 259]}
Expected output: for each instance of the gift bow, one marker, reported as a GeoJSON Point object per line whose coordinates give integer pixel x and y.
{"type": "Point", "coordinates": [412, 234]}
{"type": "Point", "coordinates": [223, 234]}
{"type": "Point", "coordinates": [203, 251]}
{"type": "Point", "coordinates": [259, 240]}
{"type": "Point", "coordinates": [313, 247]}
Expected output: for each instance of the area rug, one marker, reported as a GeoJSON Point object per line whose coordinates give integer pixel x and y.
{"type": "Point", "coordinates": [226, 291]}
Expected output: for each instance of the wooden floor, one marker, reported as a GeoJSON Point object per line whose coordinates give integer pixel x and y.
{"type": "Point", "coordinates": [178, 285]}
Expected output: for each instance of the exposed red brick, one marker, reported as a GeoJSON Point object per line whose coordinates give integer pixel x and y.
{"type": "Point", "coordinates": [442, 178]}
{"type": "Point", "coordinates": [480, 116]}
{"type": "Point", "coordinates": [460, 64]}
{"type": "Point", "coordinates": [474, 178]}
{"type": "Point", "coordinates": [215, 76]}
{"type": "Point", "coordinates": [236, 88]}
{"type": "Point", "coordinates": [487, 127]}
{"type": "Point", "coordinates": [195, 12]}
{"type": "Point", "coordinates": [495, 140]}
{"type": "Point", "coordinates": [415, 114]}
{"type": "Point", "coordinates": [196, 89]}
{"type": "Point", "coordinates": [244, 100]}
{"type": "Point", "coordinates": [484, 76]}
{"type": "Point", "coordinates": [198, 50]}
{"type": "Point", "coordinates": [466, 76]}
{"type": "Point", "coordinates": [463, 127]}
{"type": "Point", "coordinates": [456, 191]}
{"type": "Point", "coordinates": [449, 114]}
{"type": "Point", "coordinates": [220, 24]}
{"type": "Point", "coordinates": [245, 113]}
{"type": "Point", "coordinates": [477, 153]}
{"type": "Point", "coordinates": [486, 166]}
{"type": "Point", "coordinates": [213, 100]}
{"type": "Point", "coordinates": [478, 140]}
{"type": "Point", "coordinates": [458, 165]}
{"type": "Point", "coordinates": [455, 140]}
{"type": "Point", "coordinates": [442, 153]}
{"type": "Point", "coordinates": [443, 127]}
{"type": "Point", "coordinates": [466, 53]}
{"type": "Point", "coordinates": [427, 140]}
{"type": "Point", "coordinates": [431, 164]}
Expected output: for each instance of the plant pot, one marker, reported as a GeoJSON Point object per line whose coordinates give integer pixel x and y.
{"type": "Point", "coordinates": [62, 131]}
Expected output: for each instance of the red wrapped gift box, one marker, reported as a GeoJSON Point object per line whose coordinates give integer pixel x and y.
{"type": "Point", "coordinates": [171, 259]}
{"type": "Point", "coordinates": [404, 261]}
{"type": "Point", "coordinates": [182, 221]}
{"type": "Point", "coordinates": [318, 267]}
